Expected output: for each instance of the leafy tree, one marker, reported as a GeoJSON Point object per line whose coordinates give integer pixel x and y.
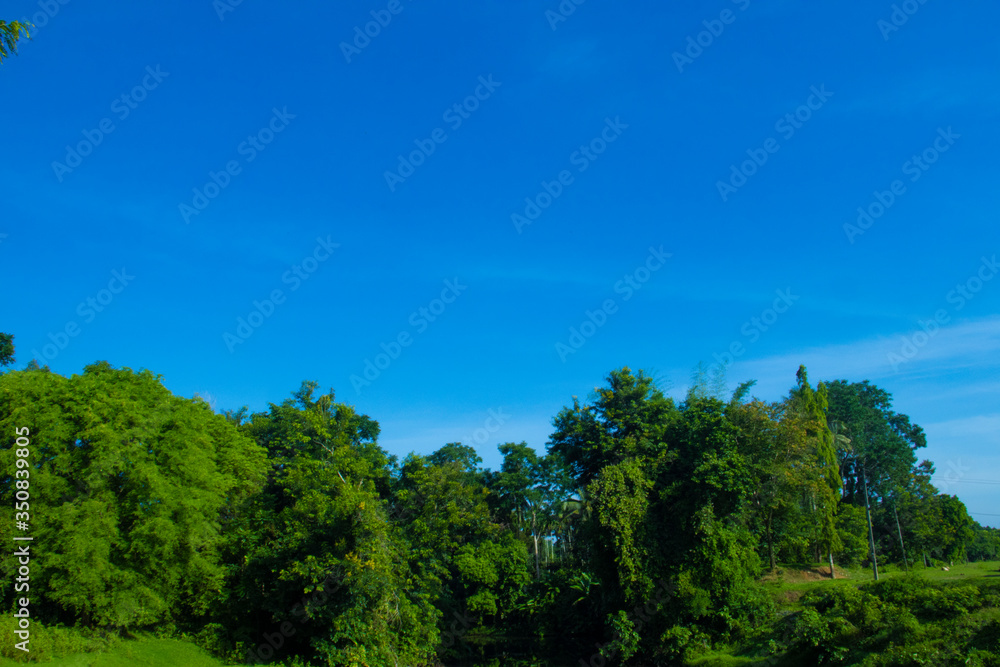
{"type": "Point", "coordinates": [6, 349]}
{"type": "Point", "coordinates": [943, 527]}
{"type": "Point", "coordinates": [622, 497]}
{"type": "Point", "coordinates": [528, 494]}
{"type": "Point", "coordinates": [882, 442]}
{"type": "Point", "coordinates": [316, 548]}
{"type": "Point", "coordinates": [628, 418]}
{"type": "Point", "coordinates": [10, 33]}
{"type": "Point", "coordinates": [777, 457]}
{"type": "Point", "coordinates": [852, 529]}
{"type": "Point", "coordinates": [985, 544]}
{"type": "Point", "coordinates": [668, 487]}
{"type": "Point", "coordinates": [130, 487]}
{"type": "Point", "coordinates": [808, 410]}
{"type": "Point", "coordinates": [460, 561]}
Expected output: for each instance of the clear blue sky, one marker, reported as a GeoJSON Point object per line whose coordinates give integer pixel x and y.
{"type": "Point", "coordinates": [624, 133]}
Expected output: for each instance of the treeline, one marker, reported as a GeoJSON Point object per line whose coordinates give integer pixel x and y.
{"type": "Point", "coordinates": [289, 535]}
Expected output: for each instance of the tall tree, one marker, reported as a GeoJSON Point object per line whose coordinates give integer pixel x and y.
{"type": "Point", "coordinates": [882, 442]}
{"type": "Point", "coordinates": [528, 493]}
{"type": "Point", "coordinates": [131, 488]}
{"type": "Point", "coordinates": [628, 418]}
{"type": "Point", "coordinates": [321, 529]}
{"type": "Point", "coordinates": [461, 561]}
{"type": "Point", "coordinates": [809, 411]}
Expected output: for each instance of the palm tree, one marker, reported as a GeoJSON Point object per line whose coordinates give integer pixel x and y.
{"type": "Point", "coordinates": [9, 34]}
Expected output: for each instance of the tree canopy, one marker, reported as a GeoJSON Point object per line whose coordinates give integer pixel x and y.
{"type": "Point", "coordinates": [647, 522]}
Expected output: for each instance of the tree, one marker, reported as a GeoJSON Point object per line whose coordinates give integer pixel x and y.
{"type": "Point", "coordinates": [878, 465]}
{"type": "Point", "coordinates": [986, 543]}
{"type": "Point", "coordinates": [628, 418]}
{"type": "Point", "coordinates": [943, 527]}
{"type": "Point", "coordinates": [317, 547]}
{"type": "Point", "coordinates": [809, 411]}
{"type": "Point", "coordinates": [460, 560]}
{"type": "Point", "coordinates": [10, 33]}
{"type": "Point", "coordinates": [882, 442]}
{"type": "Point", "coordinates": [778, 457]}
{"type": "Point", "coordinates": [130, 487]}
{"type": "Point", "coordinates": [528, 493]}
{"type": "Point", "coordinates": [6, 349]}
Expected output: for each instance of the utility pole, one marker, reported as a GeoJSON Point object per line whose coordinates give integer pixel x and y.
{"type": "Point", "coordinates": [900, 532]}
{"type": "Point", "coordinates": [868, 512]}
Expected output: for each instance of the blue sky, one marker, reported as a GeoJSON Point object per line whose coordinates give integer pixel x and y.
{"type": "Point", "coordinates": [674, 171]}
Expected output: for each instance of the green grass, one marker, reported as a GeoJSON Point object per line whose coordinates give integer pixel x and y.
{"type": "Point", "coordinates": [790, 582]}
{"type": "Point", "coordinates": [137, 653]}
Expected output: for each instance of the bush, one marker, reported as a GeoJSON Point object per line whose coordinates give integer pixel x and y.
{"type": "Point", "coordinates": [50, 642]}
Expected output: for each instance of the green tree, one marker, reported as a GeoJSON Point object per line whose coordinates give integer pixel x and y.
{"type": "Point", "coordinates": [777, 456]}
{"type": "Point", "coordinates": [808, 408]}
{"type": "Point", "coordinates": [528, 494]}
{"type": "Point", "coordinates": [628, 418]}
{"type": "Point", "coordinates": [130, 489]}
{"type": "Point", "coordinates": [317, 548]}
{"type": "Point", "coordinates": [985, 544]}
{"type": "Point", "coordinates": [461, 561]}
{"type": "Point", "coordinates": [10, 33]}
{"type": "Point", "coordinates": [6, 349]}
{"type": "Point", "coordinates": [882, 442]}
{"type": "Point", "coordinates": [668, 487]}
{"type": "Point", "coordinates": [943, 527]}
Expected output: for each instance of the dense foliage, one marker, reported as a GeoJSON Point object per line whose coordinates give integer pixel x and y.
{"type": "Point", "coordinates": [639, 537]}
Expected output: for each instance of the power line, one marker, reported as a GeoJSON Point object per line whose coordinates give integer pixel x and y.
{"type": "Point", "coordinates": [966, 481]}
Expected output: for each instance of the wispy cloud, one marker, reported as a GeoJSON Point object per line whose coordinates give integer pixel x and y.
{"type": "Point", "coordinates": [967, 345]}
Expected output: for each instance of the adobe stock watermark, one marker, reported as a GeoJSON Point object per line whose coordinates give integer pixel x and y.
{"type": "Point", "coordinates": [581, 158]}
{"type": "Point", "coordinates": [420, 320]}
{"type": "Point", "coordinates": [40, 19]}
{"type": "Point", "coordinates": [494, 421]}
{"type": "Point", "coordinates": [317, 599]}
{"type": "Point", "coordinates": [963, 292]}
{"type": "Point", "coordinates": [915, 167]}
{"type": "Point", "coordinates": [249, 148]}
{"type": "Point", "coordinates": [295, 276]}
{"type": "Point", "coordinates": [381, 18]}
{"type": "Point", "coordinates": [956, 472]}
{"type": "Point", "coordinates": [714, 28]}
{"type": "Point", "coordinates": [454, 115]}
{"type": "Point", "coordinates": [753, 328]}
{"type": "Point", "coordinates": [565, 9]}
{"type": "Point", "coordinates": [223, 7]}
{"type": "Point", "coordinates": [639, 616]}
{"type": "Point", "coordinates": [121, 106]}
{"type": "Point", "coordinates": [787, 125]}
{"type": "Point", "coordinates": [86, 309]}
{"type": "Point", "coordinates": [593, 320]}
{"type": "Point", "coordinates": [901, 13]}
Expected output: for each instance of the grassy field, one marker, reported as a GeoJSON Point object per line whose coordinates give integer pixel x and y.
{"type": "Point", "coordinates": [791, 582]}
{"type": "Point", "coordinates": [138, 653]}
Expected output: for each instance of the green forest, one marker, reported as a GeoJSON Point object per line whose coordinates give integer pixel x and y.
{"type": "Point", "coordinates": [645, 533]}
